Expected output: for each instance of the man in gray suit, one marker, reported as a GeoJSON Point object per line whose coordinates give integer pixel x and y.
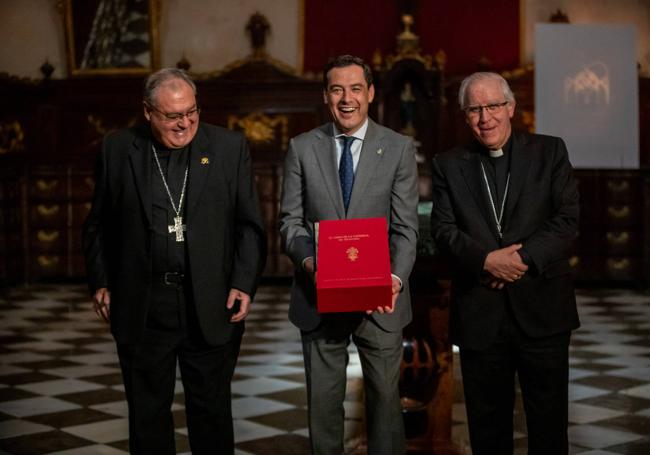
{"type": "Point", "coordinates": [350, 168]}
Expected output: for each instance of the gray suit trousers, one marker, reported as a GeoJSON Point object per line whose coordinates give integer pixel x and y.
{"type": "Point", "coordinates": [326, 358]}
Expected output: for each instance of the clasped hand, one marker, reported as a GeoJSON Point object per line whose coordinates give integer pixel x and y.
{"type": "Point", "coordinates": [504, 266]}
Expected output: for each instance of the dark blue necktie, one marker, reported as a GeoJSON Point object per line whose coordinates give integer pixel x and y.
{"type": "Point", "coordinates": [346, 170]}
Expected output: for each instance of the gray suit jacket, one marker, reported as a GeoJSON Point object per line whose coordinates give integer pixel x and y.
{"type": "Point", "coordinates": [385, 185]}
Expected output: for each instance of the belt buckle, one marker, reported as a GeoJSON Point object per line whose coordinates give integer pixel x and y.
{"type": "Point", "coordinates": [178, 277]}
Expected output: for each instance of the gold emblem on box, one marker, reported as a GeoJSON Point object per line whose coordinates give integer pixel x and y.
{"type": "Point", "coordinates": [353, 254]}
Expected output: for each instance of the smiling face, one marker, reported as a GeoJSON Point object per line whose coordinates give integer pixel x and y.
{"type": "Point", "coordinates": [347, 96]}
{"type": "Point", "coordinates": [173, 97]}
{"type": "Point", "coordinates": [492, 129]}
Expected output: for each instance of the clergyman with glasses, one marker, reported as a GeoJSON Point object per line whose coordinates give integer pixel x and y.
{"type": "Point", "coordinates": [174, 246]}
{"type": "Point", "coordinates": [505, 212]}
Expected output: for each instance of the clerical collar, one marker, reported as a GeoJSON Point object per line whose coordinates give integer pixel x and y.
{"type": "Point", "coordinates": [495, 154]}
{"type": "Point", "coordinates": [358, 134]}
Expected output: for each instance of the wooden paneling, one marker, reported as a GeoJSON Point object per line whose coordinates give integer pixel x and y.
{"type": "Point", "coordinates": [52, 131]}
{"type": "Point", "coordinates": [613, 231]}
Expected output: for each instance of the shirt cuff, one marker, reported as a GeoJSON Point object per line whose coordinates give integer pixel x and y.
{"type": "Point", "coordinates": [526, 259]}
{"type": "Point", "coordinates": [401, 285]}
{"type": "Point", "coordinates": [305, 260]}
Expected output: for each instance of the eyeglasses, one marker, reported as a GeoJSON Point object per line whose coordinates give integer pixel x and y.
{"type": "Point", "coordinates": [192, 114]}
{"type": "Point", "coordinates": [475, 111]}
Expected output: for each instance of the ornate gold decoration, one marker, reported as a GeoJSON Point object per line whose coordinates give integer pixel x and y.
{"type": "Point", "coordinates": [618, 186]}
{"type": "Point", "coordinates": [13, 79]}
{"type": "Point", "coordinates": [257, 27]}
{"type": "Point", "coordinates": [102, 130]}
{"type": "Point", "coordinates": [205, 160]}
{"type": "Point", "coordinates": [47, 261]}
{"type": "Point", "coordinates": [574, 261]}
{"type": "Point", "coordinates": [408, 46]}
{"type": "Point", "coordinates": [518, 72]}
{"type": "Point", "coordinates": [618, 265]}
{"type": "Point", "coordinates": [353, 254]}
{"type": "Point", "coordinates": [47, 210]}
{"type": "Point", "coordinates": [11, 137]}
{"type": "Point", "coordinates": [97, 124]}
{"type": "Point", "coordinates": [260, 128]}
{"type": "Point", "coordinates": [619, 212]}
{"type": "Point", "coordinates": [441, 59]}
{"type": "Point", "coordinates": [618, 238]}
{"type": "Point", "coordinates": [277, 64]}
{"type": "Point", "coordinates": [47, 236]}
{"type": "Point", "coordinates": [46, 186]}
{"type": "Point", "coordinates": [377, 60]}
{"type": "Point", "coordinates": [528, 119]}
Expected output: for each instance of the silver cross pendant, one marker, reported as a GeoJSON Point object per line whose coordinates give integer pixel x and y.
{"type": "Point", "coordinates": [178, 227]}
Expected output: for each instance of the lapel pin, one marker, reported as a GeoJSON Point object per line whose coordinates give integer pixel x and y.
{"type": "Point", "coordinates": [205, 160]}
{"type": "Point", "coordinates": [380, 151]}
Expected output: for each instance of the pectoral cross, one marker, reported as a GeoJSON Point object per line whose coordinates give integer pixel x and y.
{"type": "Point", "coordinates": [178, 227]}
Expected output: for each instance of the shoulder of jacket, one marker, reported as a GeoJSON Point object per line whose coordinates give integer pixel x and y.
{"type": "Point", "coordinates": [390, 134]}
{"type": "Point", "coordinates": [453, 154]}
{"type": "Point", "coordinates": [315, 134]}
{"type": "Point", "coordinates": [526, 137]}
{"type": "Point", "coordinates": [126, 134]}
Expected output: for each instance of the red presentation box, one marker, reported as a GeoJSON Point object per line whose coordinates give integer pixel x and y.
{"type": "Point", "coordinates": [353, 265]}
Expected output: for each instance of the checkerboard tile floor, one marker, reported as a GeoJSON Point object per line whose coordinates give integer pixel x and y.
{"type": "Point", "coordinates": [61, 390]}
{"type": "Point", "coordinates": [609, 388]}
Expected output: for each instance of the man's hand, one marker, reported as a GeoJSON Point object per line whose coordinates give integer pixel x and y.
{"type": "Point", "coordinates": [495, 284]}
{"type": "Point", "coordinates": [396, 288]}
{"type": "Point", "coordinates": [102, 303]}
{"type": "Point", "coordinates": [244, 304]}
{"type": "Point", "coordinates": [505, 264]}
{"type": "Point", "coordinates": [308, 265]}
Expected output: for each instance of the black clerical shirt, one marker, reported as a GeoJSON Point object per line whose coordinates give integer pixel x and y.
{"type": "Point", "coordinates": [168, 254]}
{"type": "Point", "coordinates": [169, 304]}
{"type": "Point", "coordinates": [496, 170]}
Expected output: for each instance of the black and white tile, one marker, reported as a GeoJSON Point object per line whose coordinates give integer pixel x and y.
{"type": "Point", "coordinates": [61, 390]}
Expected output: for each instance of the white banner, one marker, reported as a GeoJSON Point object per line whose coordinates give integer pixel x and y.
{"type": "Point", "coordinates": [586, 91]}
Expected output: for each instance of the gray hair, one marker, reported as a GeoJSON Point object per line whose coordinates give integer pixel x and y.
{"type": "Point", "coordinates": [159, 78]}
{"type": "Point", "coordinates": [483, 76]}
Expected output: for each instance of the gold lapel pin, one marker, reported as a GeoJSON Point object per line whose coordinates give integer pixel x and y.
{"type": "Point", "coordinates": [380, 151]}
{"type": "Point", "coordinates": [205, 160]}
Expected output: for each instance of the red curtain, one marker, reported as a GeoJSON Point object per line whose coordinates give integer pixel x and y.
{"type": "Point", "coordinates": [467, 30]}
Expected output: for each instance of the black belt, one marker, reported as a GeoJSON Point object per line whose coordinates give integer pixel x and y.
{"type": "Point", "coordinates": [170, 278]}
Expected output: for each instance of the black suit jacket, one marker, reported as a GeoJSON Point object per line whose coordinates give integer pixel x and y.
{"type": "Point", "coordinates": [226, 242]}
{"type": "Point", "coordinates": [541, 212]}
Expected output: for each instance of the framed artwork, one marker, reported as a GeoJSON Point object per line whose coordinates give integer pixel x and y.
{"type": "Point", "coordinates": [111, 36]}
